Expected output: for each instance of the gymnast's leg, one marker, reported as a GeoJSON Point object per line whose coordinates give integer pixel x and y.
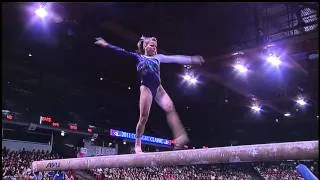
{"type": "Point", "coordinates": [144, 105]}
{"type": "Point", "coordinates": [165, 102]}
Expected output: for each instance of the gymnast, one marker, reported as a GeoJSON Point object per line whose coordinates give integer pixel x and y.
{"type": "Point", "coordinates": [148, 67]}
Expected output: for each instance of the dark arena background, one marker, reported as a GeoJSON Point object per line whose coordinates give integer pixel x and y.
{"type": "Point", "coordinates": [70, 108]}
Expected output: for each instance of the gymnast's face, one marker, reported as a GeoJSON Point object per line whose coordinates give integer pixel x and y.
{"type": "Point", "coordinates": [150, 47]}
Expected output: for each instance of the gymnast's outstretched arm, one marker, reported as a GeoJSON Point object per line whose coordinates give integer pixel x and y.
{"type": "Point", "coordinates": [180, 59]}
{"type": "Point", "coordinates": [103, 43]}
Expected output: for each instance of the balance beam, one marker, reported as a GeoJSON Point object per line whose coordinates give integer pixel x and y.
{"type": "Point", "coordinates": [305, 150]}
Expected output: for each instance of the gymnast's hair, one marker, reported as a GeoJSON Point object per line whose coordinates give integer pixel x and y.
{"type": "Point", "coordinates": [142, 41]}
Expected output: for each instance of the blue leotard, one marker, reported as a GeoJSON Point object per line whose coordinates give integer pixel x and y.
{"type": "Point", "coordinates": [148, 67]}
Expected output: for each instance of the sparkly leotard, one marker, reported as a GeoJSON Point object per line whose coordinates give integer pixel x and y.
{"type": "Point", "coordinates": [148, 67]}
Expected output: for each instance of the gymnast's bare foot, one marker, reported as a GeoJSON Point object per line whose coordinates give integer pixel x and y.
{"type": "Point", "coordinates": [180, 141]}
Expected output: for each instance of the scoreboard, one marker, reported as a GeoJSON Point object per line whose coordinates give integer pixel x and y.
{"type": "Point", "coordinates": [48, 121]}
{"type": "Point", "coordinates": [45, 120]}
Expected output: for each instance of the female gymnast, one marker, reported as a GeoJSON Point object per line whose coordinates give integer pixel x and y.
{"type": "Point", "coordinates": [148, 67]}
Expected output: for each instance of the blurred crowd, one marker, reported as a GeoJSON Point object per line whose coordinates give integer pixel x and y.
{"type": "Point", "coordinates": [171, 173]}
{"type": "Point", "coordinates": [284, 170]}
{"type": "Point", "coordinates": [17, 165]}
{"type": "Point", "coordinates": [280, 170]}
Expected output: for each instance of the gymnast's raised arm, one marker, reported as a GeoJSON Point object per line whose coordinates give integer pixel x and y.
{"type": "Point", "coordinates": [180, 59]}
{"type": "Point", "coordinates": [103, 43]}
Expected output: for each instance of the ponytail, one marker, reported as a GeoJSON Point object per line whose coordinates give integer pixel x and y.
{"type": "Point", "coordinates": [142, 42]}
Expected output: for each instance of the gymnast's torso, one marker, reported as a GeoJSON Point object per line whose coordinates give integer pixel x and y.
{"type": "Point", "coordinates": [149, 72]}
{"type": "Point", "coordinates": [148, 67]}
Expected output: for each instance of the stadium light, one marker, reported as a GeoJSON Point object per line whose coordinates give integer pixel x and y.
{"type": "Point", "coordinates": [187, 77]}
{"type": "Point", "coordinates": [301, 102]}
{"type": "Point", "coordinates": [190, 78]}
{"type": "Point", "coordinates": [193, 81]}
{"type": "Point", "coordinates": [240, 68]}
{"type": "Point", "coordinates": [274, 60]}
{"type": "Point", "coordinates": [256, 108]}
{"type": "Point", "coordinates": [41, 12]}
{"type": "Point", "coordinates": [287, 114]}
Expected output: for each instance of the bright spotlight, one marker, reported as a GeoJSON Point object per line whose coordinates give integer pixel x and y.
{"type": "Point", "coordinates": [238, 53]}
{"type": "Point", "coordinates": [62, 133]}
{"type": "Point", "coordinates": [190, 78]}
{"type": "Point", "coordinates": [41, 12]}
{"type": "Point", "coordinates": [241, 68]}
{"type": "Point", "coordinates": [124, 142]}
{"type": "Point", "coordinates": [275, 61]}
{"type": "Point", "coordinates": [287, 114]}
{"type": "Point", "coordinates": [187, 77]}
{"type": "Point", "coordinates": [301, 102]}
{"type": "Point", "coordinates": [193, 81]}
{"type": "Point", "coordinates": [256, 108]}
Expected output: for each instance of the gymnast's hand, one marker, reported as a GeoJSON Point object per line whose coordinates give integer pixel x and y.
{"type": "Point", "coordinates": [197, 60]}
{"type": "Point", "coordinates": [101, 42]}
